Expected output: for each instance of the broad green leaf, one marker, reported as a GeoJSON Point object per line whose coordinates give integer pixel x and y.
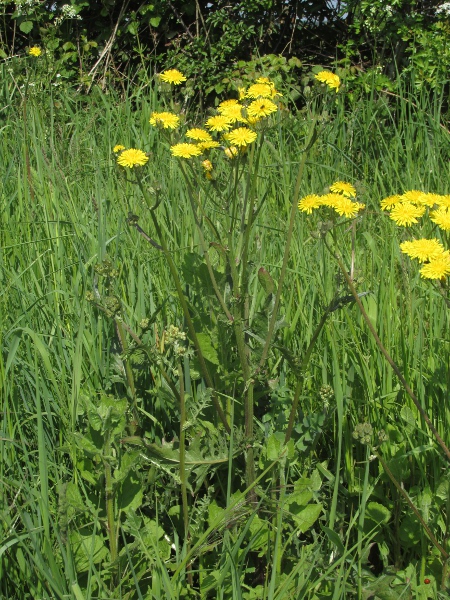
{"type": "Point", "coordinates": [377, 512]}
{"type": "Point", "coordinates": [208, 350]}
{"type": "Point", "coordinates": [26, 26]}
{"type": "Point", "coordinates": [306, 518]}
{"type": "Point", "coordinates": [266, 281]}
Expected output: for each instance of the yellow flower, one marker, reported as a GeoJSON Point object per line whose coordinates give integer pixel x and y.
{"type": "Point", "coordinates": [257, 90]}
{"type": "Point", "coordinates": [233, 112]}
{"type": "Point", "coordinates": [166, 120]}
{"type": "Point", "coordinates": [406, 213]}
{"type": "Point", "coordinates": [444, 201]}
{"type": "Point", "coordinates": [423, 249]}
{"type": "Point", "coordinates": [428, 199]}
{"type": "Point", "coordinates": [261, 108]}
{"type": "Point", "coordinates": [225, 103]}
{"type": "Point", "coordinates": [390, 202]}
{"type": "Point", "coordinates": [412, 196]}
{"type": "Point", "coordinates": [35, 51]}
{"type": "Point", "coordinates": [231, 152]}
{"type": "Point", "coordinates": [264, 80]}
{"type": "Point", "coordinates": [185, 150]}
{"type": "Point", "coordinates": [308, 203]}
{"type": "Point", "coordinates": [342, 187]}
{"type": "Point", "coordinates": [207, 165]}
{"type": "Point", "coordinates": [172, 76]}
{"type": "Point", "coordinates": [346, 208]}
{"type": "Point", "coordinates": [331, 200]}
{"type": "Point", "coordinates": [208, 145]}
{"type": "Point", "coordinates": [132, 158]}
{"type": "Point", "coordinates": [437, 268]}
{"type": "Point", "coordinates": [218, 123]}
{"type": "Point", "coordinates": [241, 136]}
{"type": "Point", "coordinates": [118, 148]}
{"type": "Point", "coordinates": [441, 217]}
{"type": "Point", "coordinates": [242, 93]}
{"type": "Point", "coordinates": [330, 79]}
{"type": "Point", "coordinates": [198, 134]}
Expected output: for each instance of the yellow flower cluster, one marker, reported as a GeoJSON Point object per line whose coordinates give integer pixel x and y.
{"type": "Point", "coordinates": [35, 51]}
{"type": "Point", "coordinates": [234, 122]}
{"type": "Point", "coordinates": [405, 210]}
{"type": "Point", "coordinates": [339, 199]}
{"type": "Point", "coordinates": [330, 79]}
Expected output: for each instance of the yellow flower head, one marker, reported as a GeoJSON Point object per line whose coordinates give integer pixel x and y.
{"type": "Point", "coordinates": [198, 134]}
{"type": "Point", "coordinates": [264, 80]}
{"type": "Point", "coordinates": [231, 152]}
{"type": "Point", "coordinates": [232, 112]}
{"type": "Point", "coordinates": [406, 213]}
{"type": "Point", "coordinates": [261, 107]}
{"type": "Point", "coordinates": [331, 199]}
{"type": "Point", "coordinates": [259, 90]}
{"type": "Point", "coordinates": [344, 188]}
{"type": "Point", "coordinates": [35, 51]}
{"type": "Point", "coordinates": [413, 196]}
{"type": "Point", "coordinates": [166, 120]}
{"type": "Point", "coordinates": [118, 148]}
{"type": "Point", "coordinates": [218, 123]}
{"type": "Point", "coordinates": [428, 199]}
{"type": "Point", "coordinates": [330, 79]}
{"type": "Point", "coordinates": [132, 158]}
{"type": "Point", "coordinates": [441, 217]}
{"type": "Point", "coordinates": [207, 165]}
{"type": "Point", "coordinates": [172, 76]}
{"type": "Point", "coordinates": [308, 203]}
{"type": "Point", "coordinates": [207, 145]}
{"type": "Point", "coordinates": [423, 249]}
{"type": "Point", "coordinates": [185, 150]}
{"type": "Point", "coordinates": [242, 93]}
{"type": "Point", "coordinates": [437, 268]}
{"type": "Point", "coordinates": [390, 202]}
{"type": "Point", "coordinates": [444, 201]}
{"type": "Point", "coordinates": [346, 208]}
{"type": "Point", "coordinates": [241, 136]}
{"type": "Point", "coordinates": [226, 103]}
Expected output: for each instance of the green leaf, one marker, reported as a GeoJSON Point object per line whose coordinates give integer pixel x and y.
{"type": "Point", "coordinates": [266, 281]}
{"type": "Point", "coordinates": [26, 26]}
{"type": "Point", "coordinates": [130, 495]}
{"type": "Point", "coordinates": [208, 350]}
{"type": "Point", "coordinates": [87, 548]}
{"type": "Point", "coordinates": [377, 512]}
{"type": "Point", "coordinates": [155, 21]}
{"type": "Point", "coordinates": [306, 518]}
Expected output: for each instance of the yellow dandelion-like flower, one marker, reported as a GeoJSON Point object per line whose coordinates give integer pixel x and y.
{"type": "Point", "coordinates": [207, 165]}
{"type": "Point", "coordinates": [346, 208]}
{"type": "Point", "coordinates": [185, 150]}
{"type": "Point", "coordinates": [264, 80]}
{"type": "Point", "coordinates": [413, 196]}
{"type": "Point", "coordinates": [35, 51]}
{"type": "Point", "coordinates": [423, 249]}
{"type": "Point", "coordinates": [330, 200]}
{"type": "Point", "coordinates": [208, 145]}
{"type": "Point", "coordinates": [406, 213]}
{"type": "Point", "coordinates": [241, 136]}
{"type": "Point", "coordinates": [166, 120]}
{"type": "Point", "coordinates": [233, 112]}
{"type": "Point", "coordinates": [198, 134]}
{"type": "Point", "coordinates": [309, 203]}
{"type": "Point", "coordinates": [444, 201]}
{"type": "Point", "coordinates": [231, 152]}
{"type": "Point", "coordinates": [428, 199]}
{"type": "Point", "coordinates": [441, 217]}
{"type": "Point", "coordinates": [437, 268]}
{"type": "Point", "coordinates": [390, 202]}
{"type": "Point", "coordinates": [172, 76]}
{"type": "Point", "coordinates": [218, 123]}
{"type": "Point", "coordinates": [132, 158]}
{"type": "Point", "coordinates": [260, 108]}
{"type": "Point", "coordinates": [242, 92]}
{"type": "Point", "coordinates": [342, 187]}
{"type": "Point", "coordinates": [117, 148]}
{"type": "Point", "coordinates": [258, 90]}
{"type": "Point", "coordinates": [229, 102]}
{"type": "Point", "coordinates": [330, 79]}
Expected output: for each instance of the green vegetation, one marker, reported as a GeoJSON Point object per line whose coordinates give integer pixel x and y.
{"type": "Point", "coordinates": [193, 402]}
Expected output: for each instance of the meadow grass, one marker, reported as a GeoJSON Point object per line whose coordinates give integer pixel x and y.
{"type": "Point", "coordinates": [64, 207]}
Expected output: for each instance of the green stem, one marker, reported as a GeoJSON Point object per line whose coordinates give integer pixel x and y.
{"type": "Point", "coordinates": [184, 498]}
{"type": "Point", "coordinates": [386, 354]}
{"type": "Point", "coordinates": [109, 498]}
{"type": "Point", "coordinates": [128, 369]}
{"type": "Point", "coordinates": [185, 308]}
{"type": "Point", "coordinates": [428, 531]}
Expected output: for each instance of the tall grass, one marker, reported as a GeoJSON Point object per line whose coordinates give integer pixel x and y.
{"type": "Point", "coordinates": [63, 209]}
